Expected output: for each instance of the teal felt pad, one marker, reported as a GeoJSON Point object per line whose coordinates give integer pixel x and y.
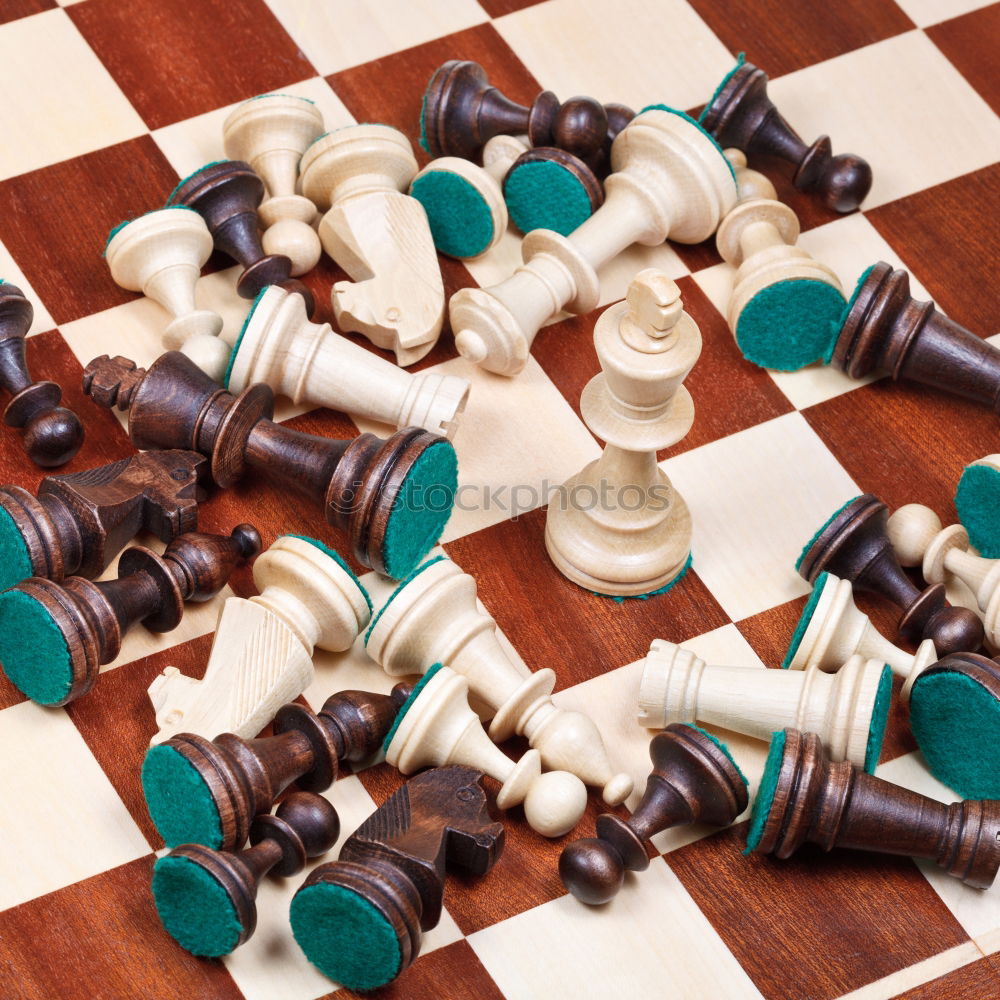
{"type": "Point", "coordinates": [824, 526]}
{"type": "Point", "coordinates": [408, 704]}
{"type": "Point", "coordinates": [179, 802]}
{"type": "Point", "coordinates": [977, 501]}
{"type": "Point", "coordinates": [33, 651]}
{"type": "Point", "coordinates": [402, 583]}
{"type": "Point", "coordinates": [460, 217]}
{"type": "Point", "coordinates": [181, 183]}
{"type": "Point", "coordinates": [541, 194]}
{"type": "Point", "coordinates": [15, 560]}
{"type": "Point", "coordinates": [344, 936]}
{"type": "Point", "coordinates": [956, 723]}
{"type": "Point", "coordinates": [338, 559]}
{"type": "Point", "coordinates": [697, 124]}
{"type": "Point", "coordinates": [424, 144]}
{"type": "Point", "coordinates": [740, 60]}
{"type": "Point", "coordinates": [722, 746]}
{"type": "Point", "coordinates": [665, 589]}
{"type": "Point", "coordinates": [765, 792]}
{"type": "Point", "coordinates": [260, 97]}
{"type": "Point", "coordinates": [421, 509]}
{"type": "Point", "coordinates": [804, 619]}
{"type": "Point", "coordinates": [790, 324]}
{"type": "Point", "coordinates": [239, 339]}
{"type": "Point", "coordinates": [880, 715]}
{"type": "Point", "coordinates": [195, 909]}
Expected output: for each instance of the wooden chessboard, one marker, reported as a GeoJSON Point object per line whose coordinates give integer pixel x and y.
{"type": "Point", "coordinates": [106, 104]}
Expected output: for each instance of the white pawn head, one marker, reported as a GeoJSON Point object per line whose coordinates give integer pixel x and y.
{"type": "Point", "coordinates": [296, 239]}
{"type": "Point", "coordinates": [555, 803]}
{"type": "Point", "coordinates": [911, 529]}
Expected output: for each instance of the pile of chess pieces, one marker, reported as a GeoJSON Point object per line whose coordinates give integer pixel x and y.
{"type": "Point", "coordinates": [583, 181]}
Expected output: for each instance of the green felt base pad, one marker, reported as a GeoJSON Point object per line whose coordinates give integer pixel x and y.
{"type": "Point", "coordinates": [33, 652]}
{"type": "Point", "coordinates": [405, 707]}
{"type": "Point", "coordinates": [880, 716]}
{"type": "Point", "coordinates": [15, 561]}
{"type": "Point", "coordinates": [460, 218]}
{"type": "Point", "coordinates": [977, 501]}
{"type": "Point", "coordinates": [179, 802]}
{"type": "Point", "coordinates": [804, 619]}
{"type": "Point", "coordinates": [665, 589]}
{"type": "Point", "coordinates": [545, 195]}
{"type": "Point", "coordinates": [765, 792]}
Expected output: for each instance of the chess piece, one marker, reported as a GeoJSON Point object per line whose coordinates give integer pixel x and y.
{"type": "Point", "coordinates": [832, 630]}
{"type": "Point", "coordinates": [262, 651]}
{"type": "Point", "coordinates": [854, 545]}
{"type": "Point", "coordinates": [55, 637]}
{"type": "Point", "coordinates": [50, 433]}
{"type": "Point", "coordinates": [203, 791]}
{"type": "Point", "coordinates": [636, 538]}
{"type": "Point", "coordinates": [77, 523]}
{"type": "Point", "coordinates": [977, 501]}
{"type": "Point", "coordinates": [206, 898]}
{"type": "Point", "coordinates": [226, 195]}
{"type": "Point", "coordinates": [309, 363]}
{"type": "Point", "coordinates": [694, 780]}
{"type": "Point", "coordinates": [783, 301]}
{"type": "Point", "coordinates": [434, 617]}
{"type": "Point", "coordinates": [360, 919]}
{"type": "Point", "coordinates": [749, 183]}
{"type": "Point", "coordinates": [805, 798]}
{"type": "Point", "coordinates": [271, 132]}
{"type": "Point", "coordinates": [886, 332]}
{"type": "Point", "coordinates": [741, 114]}
{"type": "Point", "coordinates": [161, 254]}
{"type": "Point", "coordinates": [392, 496]}
{"type": "Point", "coordinates": [379, 235]}
{"type": "Point", "coordinates": [669, 180]}
{"type": "Point", "coordinates": [436, 727]}
{"type": "Point", "coordinates": [848, 709]}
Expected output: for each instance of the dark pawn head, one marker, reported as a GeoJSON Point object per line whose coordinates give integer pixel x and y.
{"type": "Point", "coordinates": [53, 437]}
{"type": "Point", "coordinates": [956, 630]}
{"type": "Point", "coordinates": [592, 870]}
{"type": "Point", "coordinates": [304, 825]}
{"type": "Point", "coordinates": [843, 181]}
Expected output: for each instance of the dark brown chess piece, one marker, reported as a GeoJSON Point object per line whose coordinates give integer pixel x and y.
{"type": "Point", "coordinates": [212, 920]}
{"type": "Point", "coordinates": [886, 332]}
{"type": "Point", "coordinates": [359, 919]}
{"type": "Point", "coordinates": [804, 798]}
{"type": "Point", "coordinates": [242, 778]}
{"type": "Point", "coordinates": [79, 522]}
{"type": "Point", "coordinates": [176, 405]}
{"type": "Point", "coordinates": [854, 545]}
{"type": "Point", "coordinates": [694, 780]}
{"type": "Point", "coordinates": [55, 637]}
{"type": "Point", "coordinates": [51, 434]}
{"type": "Point", "coordinates": [742, 115]}
{"type": "Point", "coordinates": [226, 195]}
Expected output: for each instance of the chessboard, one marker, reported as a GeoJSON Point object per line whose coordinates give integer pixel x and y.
{"type": "Point", "coordinates": [107, 104]}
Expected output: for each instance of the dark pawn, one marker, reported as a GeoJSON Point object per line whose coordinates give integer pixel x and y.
{"type": "Point", "coordinates": [886, 332]}
{"type": "Point", "coordinates": [78, 523]}
{"type": "Point", "coordinates": [226, 195]}
{"type": "Point", "coordinates": [854, 545]}
{"type": "Point", "coordinates": [240, 779]}
{"type": "Point", "coordinates": [54, 637]}
{"type": "Point", "coordinates": [804, 798]}
{"type": "Point", "coordinates": [51, 434]}
{"type": "Point", "coordinates": [359, 919]}
{"type": "Point", "coordinates": [206, 898]}
{"type": "Point", "coordinates": [694, 780]}
{"type": "Point", "coordinates": [742, 115]}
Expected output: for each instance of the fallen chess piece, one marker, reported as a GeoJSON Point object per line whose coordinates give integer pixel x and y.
{"type": "Point", "coordinates": [360, 919]}
{"type": "Point", "coordinates": [741, 114]}
{"type": "Point", "coordinates": [391, 496]}
{"type": "Point", "coordinates": [379, 235]}
{"type": "Point", "coordinates": [977, 500]}
{"type": "Point", "coordinates": [847, 709]}
{"type": "Point", "coordinates": [201, 791]}
{"type": "Point", "coordinates": [263, 646]}
{"type": "Point", "coordinates": [206, 898]}
{"type": "Point", "coordinates": [433, 617]}
{"type": "Point", "coordinates": [638, 542]}
{"type": "Point", "coordinates": [805, 798]}
{"type": "Point", "coordinates": [309, 363]}
{"type": "Point", "coordinates": [161, 254]}
{"type": "Point", "coordinates": [694, 780]}
{"type": "Point", "coordinates": [271, 132]}
{"type": "Point", "coordinates": [436, 727]}
{"type": "Point", "coordinates": [54, 637]}
{"type": "Point", "coordinates": [50, 434]}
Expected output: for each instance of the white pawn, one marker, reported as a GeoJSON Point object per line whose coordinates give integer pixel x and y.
{"type": "Point", "coordinates": [436, 727]}
{"type": "Point", "coordinates": [434, 617]}
{"type": "Point", "coordinates": [379, 236]}
{"type": "Point", "coordinates": [309, 363]}
{"type": "Point", "coordinates": [161, 254]}
{"type": "Point", "coordinates": [262, 652]}
{"type": "Point", "coordinates": [636, 538]}
{"type": "Point", "coordinates": [271, 132]}
{"type": "Point", "coordinates": [669, 180]}
{"type": "Point", "coordinates": [844, 709]}
{"type": "Point", "coordinates": [919, 539]}
{"type": "Point", "coordinates": [832, 630]}
{"type": "Point", "coordinates": [749, 183]}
